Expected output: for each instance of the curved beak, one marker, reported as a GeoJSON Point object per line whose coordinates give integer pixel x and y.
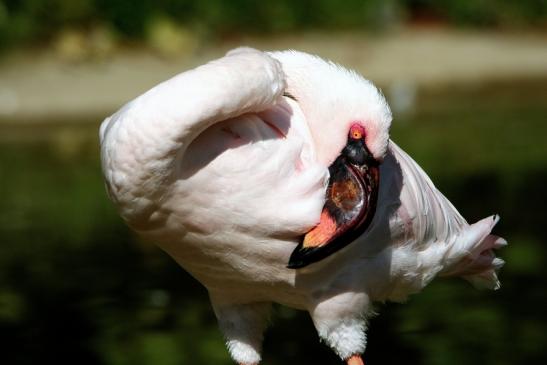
{"type": "Point", "coordinates": [351, 198]}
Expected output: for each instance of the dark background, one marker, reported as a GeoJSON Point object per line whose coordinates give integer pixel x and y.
{"type": "Point", "coordinates": [76, 286]}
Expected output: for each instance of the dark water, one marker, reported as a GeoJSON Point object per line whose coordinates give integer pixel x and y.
{"type": "Point", "coordinates": [77, 286]}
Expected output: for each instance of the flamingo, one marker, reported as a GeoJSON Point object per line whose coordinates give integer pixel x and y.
{"type": "Point", "coordinates": [271, 178]}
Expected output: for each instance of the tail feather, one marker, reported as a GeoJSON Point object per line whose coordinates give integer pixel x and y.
{"type": "Point", "coordinates": [472, 256]}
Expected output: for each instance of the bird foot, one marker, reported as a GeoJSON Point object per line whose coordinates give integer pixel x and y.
{"type": "Point", "coordinates": [355, 360]}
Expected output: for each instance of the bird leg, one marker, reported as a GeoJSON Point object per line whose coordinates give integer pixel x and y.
{"type": "Point", "coordinates": [355, 360]}
{"type": "Point", "coordinates": [242, 326]}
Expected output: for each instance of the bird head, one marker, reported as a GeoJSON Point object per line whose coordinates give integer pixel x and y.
{"type": "Point", "coordinates": [333, 99]}
{"type": "Point", "coordinates": [349, 121]}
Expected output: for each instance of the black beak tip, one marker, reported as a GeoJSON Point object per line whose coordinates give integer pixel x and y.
{"type": "Point", "coordinates": [295, 264]}
{"type": "Point", "coordinates": [304, 256]}
{"type": "Point", "coordinates": [299, 258]}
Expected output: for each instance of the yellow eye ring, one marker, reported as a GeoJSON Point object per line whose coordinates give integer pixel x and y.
{"type": "Point", "coordinates": [356, 131]}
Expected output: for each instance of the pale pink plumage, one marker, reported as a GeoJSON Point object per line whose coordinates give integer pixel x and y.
{"type": "Point", "coordinates": [226, 174]}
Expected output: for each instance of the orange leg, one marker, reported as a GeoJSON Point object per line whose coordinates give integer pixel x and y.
{"type": "Point", "coordinates": [355, 360]}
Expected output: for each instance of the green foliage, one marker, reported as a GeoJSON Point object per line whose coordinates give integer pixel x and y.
{"type": "Point", "coordinates": [485, 12]}
{"type": "Point", "coordinates": [26, 21]}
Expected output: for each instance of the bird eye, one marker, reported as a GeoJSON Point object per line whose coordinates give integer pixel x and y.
{"type": "Point", "coordinates": [356, 132]}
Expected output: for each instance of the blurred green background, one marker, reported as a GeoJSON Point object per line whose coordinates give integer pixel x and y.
{"type": "Point", "coordinates": [467, 81]}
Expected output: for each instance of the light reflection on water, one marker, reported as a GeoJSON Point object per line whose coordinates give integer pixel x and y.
{"type": "Point", "coordinates": [75, 283]}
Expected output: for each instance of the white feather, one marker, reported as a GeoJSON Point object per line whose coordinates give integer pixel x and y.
{"type": "Point", "coordinates": [225, 174]}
